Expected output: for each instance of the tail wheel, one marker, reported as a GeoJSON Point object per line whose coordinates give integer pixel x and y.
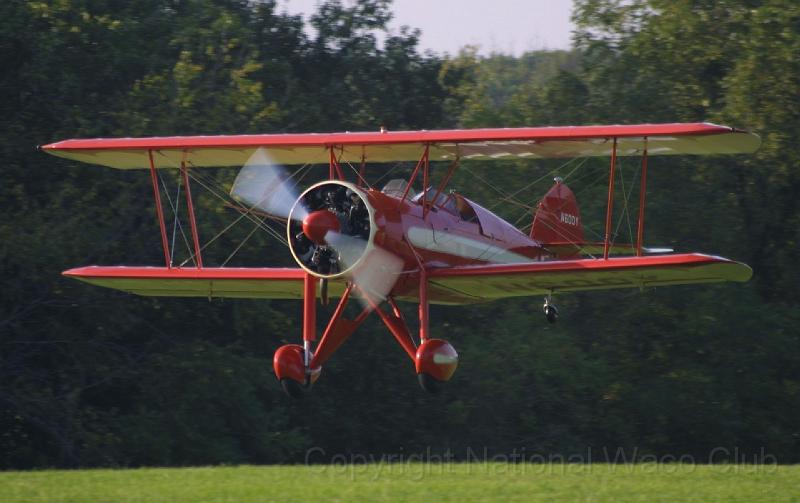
{"type": "Point", "coordinates": [550, 310]}
{"type": "Point", "coordinates": [551, 313]}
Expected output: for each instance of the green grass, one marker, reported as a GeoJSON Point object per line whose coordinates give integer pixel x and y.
{"type": "Point", "coordinates": [403, 482]}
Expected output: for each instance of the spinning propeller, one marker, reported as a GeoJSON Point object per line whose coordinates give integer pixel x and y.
{"type": "Point", "coordinates": [265, 186]}
{"type": "Point", "coordinates": [330, 226]}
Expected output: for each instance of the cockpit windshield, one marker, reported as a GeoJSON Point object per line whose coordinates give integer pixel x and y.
{"type": "Point", "coordinates": [444, 201]}
{"type": "Point", "coordinates": [449, 201]}
{"type": "Point", "coordinates": [396, 188]}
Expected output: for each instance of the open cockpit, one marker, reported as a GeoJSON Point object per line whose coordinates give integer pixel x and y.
{"type": "Point", "coordinates": [449, 201]}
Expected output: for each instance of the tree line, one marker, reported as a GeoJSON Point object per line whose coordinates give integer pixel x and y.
{"type": "Point", "coordinates": [93, 377]}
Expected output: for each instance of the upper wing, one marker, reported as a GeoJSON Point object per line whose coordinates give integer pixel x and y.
{"type": "Point", "coordinates": [254, 283]}
{"type": "Point", "coordinates": [486, 144]}
{"type": "Point", "coordinates": [488, 282]}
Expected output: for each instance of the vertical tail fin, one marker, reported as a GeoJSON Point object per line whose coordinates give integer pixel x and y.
{"type": "Point", "coordinates": [557, 223]}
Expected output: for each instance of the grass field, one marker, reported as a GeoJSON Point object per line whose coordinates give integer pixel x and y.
{"type": "Point", "coordinates": [404, 481]}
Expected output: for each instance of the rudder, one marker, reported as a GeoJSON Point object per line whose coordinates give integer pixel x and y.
{"type": "Point", "coordinates": [557, 221]}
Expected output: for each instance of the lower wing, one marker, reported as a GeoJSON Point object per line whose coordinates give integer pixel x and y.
{"type": "Point", "coordinates": [452, 285]}
{"type": "Point", "coordinates": [490, 282]}
{"type": "Point", "coordinates": [229, 282]}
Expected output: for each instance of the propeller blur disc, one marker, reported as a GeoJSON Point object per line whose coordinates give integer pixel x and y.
{"type": "Point", "coordinates": [374, 272]}
{"type": "Point", "coordinates": [265, 185]}
{"type": "Point", "coordinates": [337, 240]}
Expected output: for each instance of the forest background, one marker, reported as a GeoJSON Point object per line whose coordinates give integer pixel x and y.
{"type": "Point", "coordinates": [92, 377]}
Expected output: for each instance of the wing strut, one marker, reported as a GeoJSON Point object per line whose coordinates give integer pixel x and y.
{"type": "Point", "coordinates": [309, 315]}
{"type": "Point", "coordinates": [642, 192]}
{"type": "Point", "coordinates": [610, 204]}
{"type": "Point", "coordinates": [423, 305]}
{"type": "Point", "coordinates": [334, 168]}
{"type": "Point", "coordinates": [192, 221]}
{"type": "Point", "coordinates": [361, 170]}
{"type": "Point", "coordinates": [442, 184]}
{"type": "Point", "coordinates": [425, 177]}
{"type": "Point", "coordinates": [159, 210]}
{"type": "Point", "coordinates": [423, 161]}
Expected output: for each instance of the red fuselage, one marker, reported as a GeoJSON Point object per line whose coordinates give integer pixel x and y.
{"type": "Point", "coordinates": [456, 232]}
{"type": "Point", "coordinates": [445, 237]}
{"type": "Point", "coordinates": [409, 233]}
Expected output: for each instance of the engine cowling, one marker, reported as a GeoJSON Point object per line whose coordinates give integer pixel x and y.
{"type": "Point", "coordinates": [336, 231]}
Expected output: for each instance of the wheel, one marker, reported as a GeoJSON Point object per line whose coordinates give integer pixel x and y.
{"type": "Point", "coordinates": [293, 388]}
{"type": "Point", "coordinates": [430, 384]}
{"type": "Point", "coordinates": [551, 313]}
{"type": "Point", "coordinates": [437, 359]}
{"type": "Point", "coordinates": [289, 365]}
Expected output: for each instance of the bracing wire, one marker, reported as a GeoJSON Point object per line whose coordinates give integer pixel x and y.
{"type": "Point", "coordinates": [555, 171]}
{"type": "Point", "coordinates": [499, 191]}
{"type": "Point", "coordinates": [244, 241]}
{"type": "Point", "coordinates": [176, 221]}
{"type": "Point", "coordinates": [207, 184]}
{"type": "Point", "coordinates": [217, 190]}
{"type": "Point", "coordinates": [397, 165]}
{"type": "Point", "coordinates": [625, 214]}
{"type": "Point", "coordinates": [246, 214]}
{"type": "Point", "coordinates": [548, 174]}
{"type": "Point", "coordinates": [358, 175]}
{"type": "Point", "coordinates": [180, 227]}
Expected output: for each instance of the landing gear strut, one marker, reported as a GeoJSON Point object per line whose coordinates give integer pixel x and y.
{"type": "Point", "coordinates": [550, 310]}
{"type": "Point", "coordinates": [298, 367]}
{"type": "Point", "coordinates": [323, 291]}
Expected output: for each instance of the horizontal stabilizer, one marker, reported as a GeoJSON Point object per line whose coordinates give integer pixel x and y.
{"type": "Point", "coordinates": [564, 249]}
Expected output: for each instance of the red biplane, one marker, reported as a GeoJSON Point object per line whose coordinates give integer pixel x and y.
{"type": "Point", "coordinates": [394, 244]}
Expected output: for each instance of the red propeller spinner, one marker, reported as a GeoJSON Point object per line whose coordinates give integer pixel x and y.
{"type": "Point", "coordinates": [317, 224]}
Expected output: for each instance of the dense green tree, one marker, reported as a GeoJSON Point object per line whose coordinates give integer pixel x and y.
{"type": "Point", "coordinates": [92, 377]}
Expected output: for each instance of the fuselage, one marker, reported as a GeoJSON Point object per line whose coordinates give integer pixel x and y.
{"type": "Point", "coordinates": [414, 231]}
{"type": "Point", "coordinates": [443, 236]}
